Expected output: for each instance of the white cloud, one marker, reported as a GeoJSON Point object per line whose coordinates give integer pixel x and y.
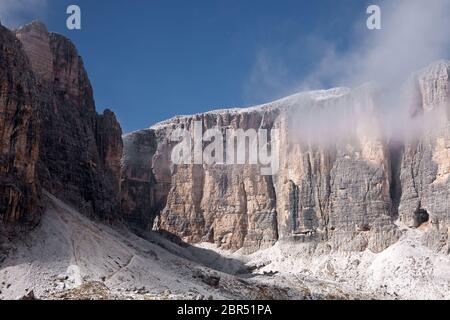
{"type": "Point", "coordinates": [268, 77]}
{"type": "Point", "coordinates": [415, 33]}
{"type": "Point", "coordinates": [14, 13]}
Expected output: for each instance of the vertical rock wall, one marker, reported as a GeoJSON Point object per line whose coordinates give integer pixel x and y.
{"type": "Point", "coordinates": [425, 165]}
{"type": "Point", "coordinates": [19, 138]}
{"type": "Point", "coordinates": [51, 136]}
{"type": "Point", "coordinates": [80, 150]}
{"type": "Point", "coordinates": [337, 190]}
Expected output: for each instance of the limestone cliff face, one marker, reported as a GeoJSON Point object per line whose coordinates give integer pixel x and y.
{"type": "Point", "coordinates": [51, 135]}
{"type": "Point", "coordinates": [320, 192]}
{"type": "Point", "coordinates": [19, 141]}
{"type": "Point", "coordinates": [425, 160]}
{"type": "Point", "coordinates": [343, 192]}
{"type": "Point", "coordinates": [336, 190]}
{"type": "Point", "coordinates": [230, 205]}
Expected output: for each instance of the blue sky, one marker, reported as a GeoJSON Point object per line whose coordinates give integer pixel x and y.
{"type": "Point", "coordinates": [151, 60]}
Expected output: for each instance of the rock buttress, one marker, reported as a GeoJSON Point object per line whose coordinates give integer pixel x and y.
{"type": "Point", "coordinates": [19, 134]}
{"type": "Point", "coordinates": [425, 163]}
{"type": "Point", "coordinates": [80, 151]}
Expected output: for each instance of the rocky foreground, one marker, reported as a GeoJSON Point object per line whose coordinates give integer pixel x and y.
{"type": "Point", "coordinates": [71, 257]}
{"type": "Point", "coordinates": [356, 208]}
{"type": "Point", "coordinates": [68, 256]}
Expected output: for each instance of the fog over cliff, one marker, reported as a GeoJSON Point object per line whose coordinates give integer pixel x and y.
{"type": "Point", "coordinates": [383, 67]}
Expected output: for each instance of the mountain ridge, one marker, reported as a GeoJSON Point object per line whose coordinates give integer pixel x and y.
{"type": "Point", "coordinates": [353, 193]}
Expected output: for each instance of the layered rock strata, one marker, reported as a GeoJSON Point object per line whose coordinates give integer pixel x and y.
{"type": "Point", "coordinates": [341, 181]}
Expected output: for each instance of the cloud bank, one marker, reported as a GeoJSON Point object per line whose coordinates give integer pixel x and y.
{"type": "Point", "coordinates": [414, 34]}
{"type": "Point", "coordinates": [14, 13]}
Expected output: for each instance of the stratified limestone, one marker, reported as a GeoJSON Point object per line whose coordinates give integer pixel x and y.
{"type": "Point", "coordinates": [342, 179]}
{"type": "Point", "coordinates": [425, 159]}
{"type": "Point", "coordinates": [35, 40]}
{"type": "Point", "coordinates": [336, 193]}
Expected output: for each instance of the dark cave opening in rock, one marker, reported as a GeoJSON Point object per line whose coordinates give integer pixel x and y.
{"type": "Point", "coordinates": [396, 151]}
{"type": "Point", "coordinates": [421, 216]}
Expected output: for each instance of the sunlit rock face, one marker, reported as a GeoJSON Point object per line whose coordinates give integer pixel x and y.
{"type": "Point", "coordinates": [35, 40]}
{"type": "Point", "coordinates": [344, 175]}
{"type": "Point", "coordinates": [334, 182]}
{"type": "Point", "coordinates": [232, 205]}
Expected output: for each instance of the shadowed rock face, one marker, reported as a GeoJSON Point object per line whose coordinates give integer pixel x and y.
{"type": "Point", "coordinates": [19, 134]}
{"type": "Point", "coordinates": [340, 194]}
{"type": "Point", "coordinates": [80, 150]}
{"type": "Point", "coordinates": [51, 135]}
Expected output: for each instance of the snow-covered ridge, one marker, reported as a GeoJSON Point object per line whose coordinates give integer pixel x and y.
{"type": "Point", "coordinates": [289, 101]}
{"type": "Point", "coordinates": [433, 70]}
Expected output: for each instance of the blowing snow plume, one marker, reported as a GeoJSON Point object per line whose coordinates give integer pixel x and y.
{"type": "Point", "coordinates": [414, 33]}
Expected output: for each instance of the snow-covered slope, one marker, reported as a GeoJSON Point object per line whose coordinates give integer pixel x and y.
{"type": "Point", "coordinates": [407, 269]}
{"type": "Point", "coordinates": [70, 256]}
{"type": "Point", "coordinates": [293, 100]}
